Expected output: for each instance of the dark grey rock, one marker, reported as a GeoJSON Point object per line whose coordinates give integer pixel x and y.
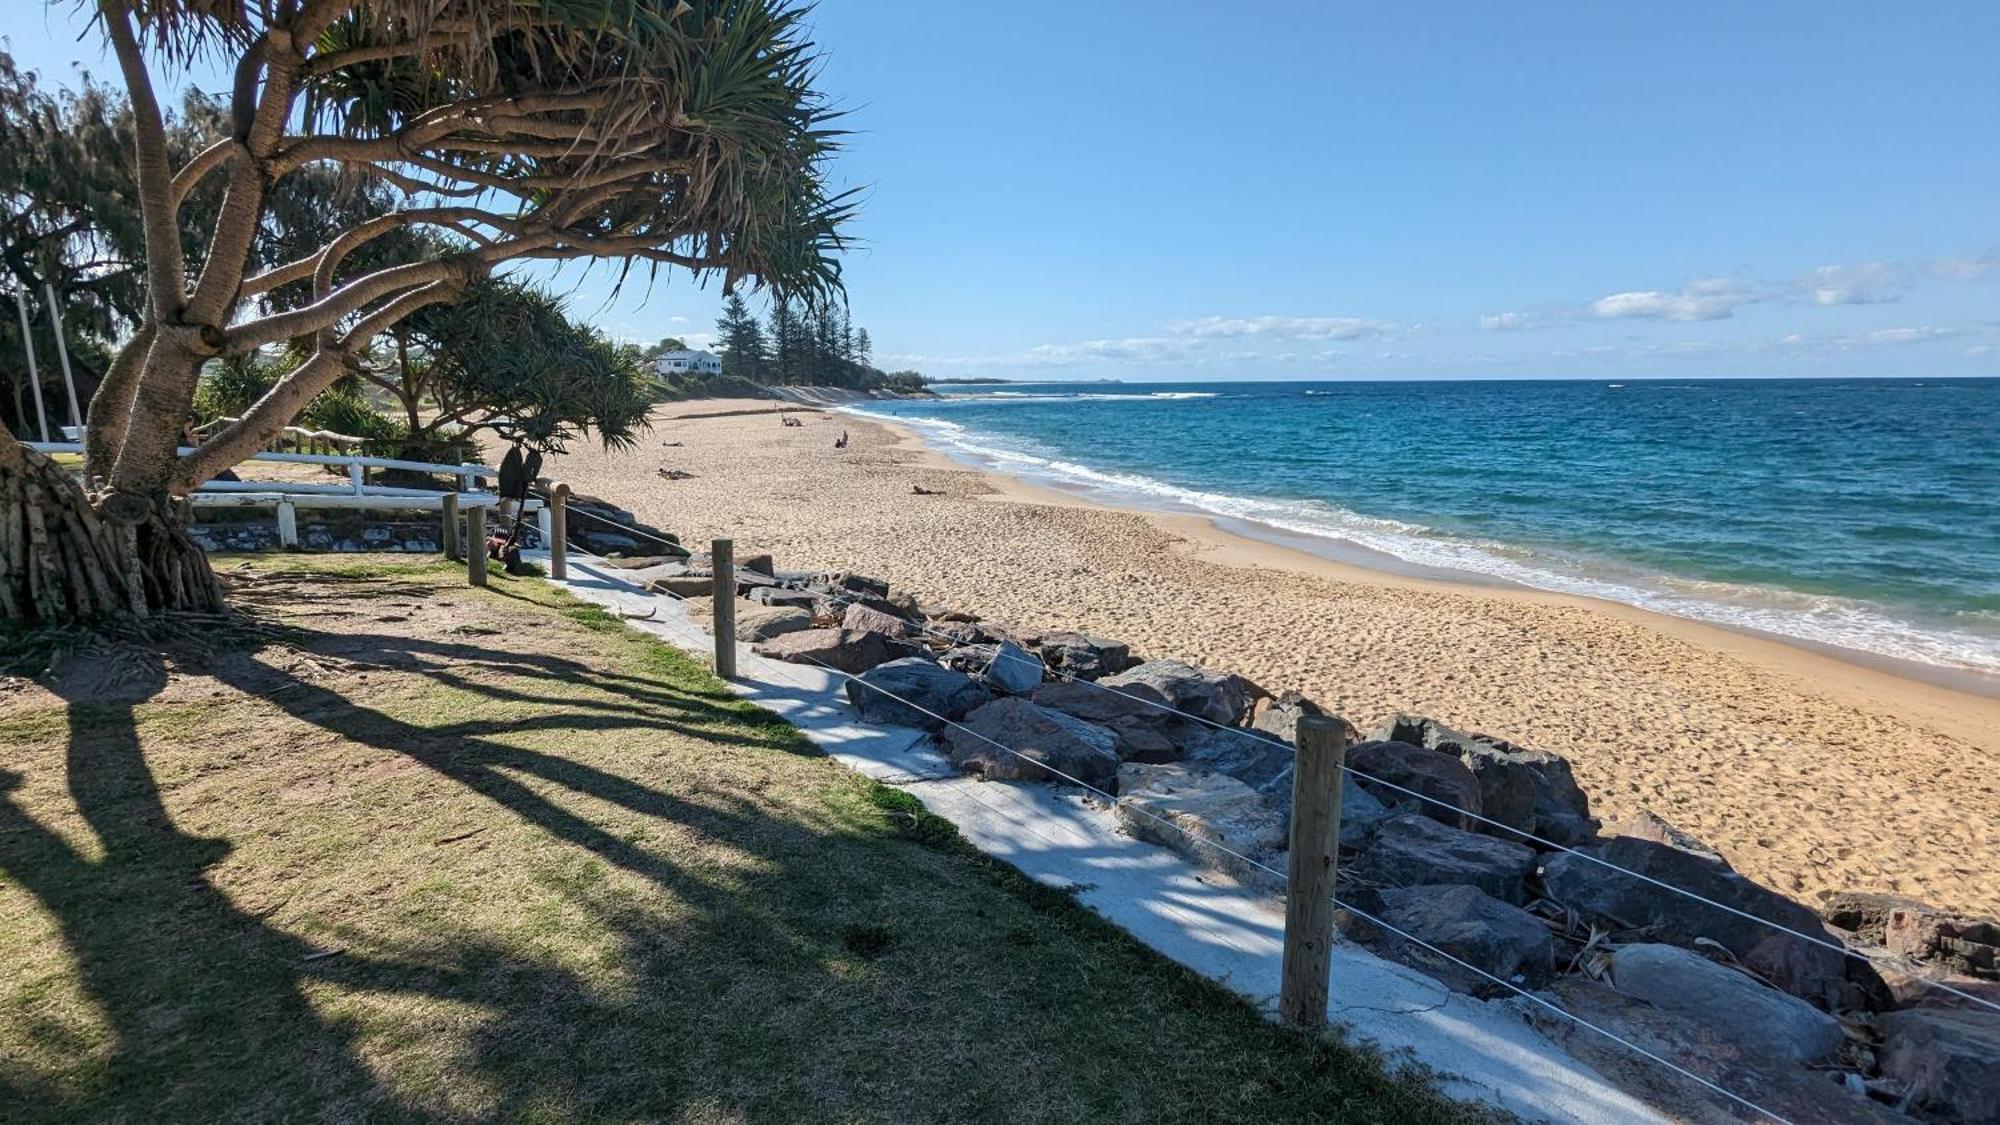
{"type": "Point", "coordinates": [1085, 656]}
{"type": "Point", "coordinates": [1216, 696]}
{"type": "Point", "coordinates": [1083, 751]}
{"type": "Point", "coordinates": [1948, 1060]}
{"type": "Point", "coordinates": [861, 584]}
{"type": "Point", "coordinates": [1412, 851]}
{"type": "Point", "coordinates": [1529, 790]}
{"type": "Point", "coordinates": [1621, 902]}
{"type": "Point", "coordinates": [1792, 1092]}
{"type": "Point", "coordinates": [1394, 770]}
{"type": "Point", "coordinates": [1475, 927]}
{"type": "Point", "coordinates": [914, 692]}
{"type": "Point", "coordinates": [1145, 732]}
{"type": "Point", "coordinates": [1256, 759]}
{"type": "Point", "coordinates": [778, 596]}
{"type": "Point", "coordinates": [1752, 1015]}
{"type": "Point", "coordinates": [1013, 669]}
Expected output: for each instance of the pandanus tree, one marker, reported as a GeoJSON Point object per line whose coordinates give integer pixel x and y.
{"type": "Point", "coordinates": [506, 357]}
{"type": "Point", "coordinates": [679, 134]}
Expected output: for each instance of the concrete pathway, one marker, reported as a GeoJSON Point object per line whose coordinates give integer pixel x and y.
{"type": "Point", "coordinates": [1066, 837]}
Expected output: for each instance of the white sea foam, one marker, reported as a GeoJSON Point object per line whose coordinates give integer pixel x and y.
{"type": "Point", "coordinates": [1817, 619]}
{"type": "Point", "coordinates": [1081, 396]}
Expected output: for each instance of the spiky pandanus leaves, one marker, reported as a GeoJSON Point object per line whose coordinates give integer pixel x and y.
{"type": "Point", "coordinates": [679, 133]}
{"type": "Point", "coordinates": [689, 133]}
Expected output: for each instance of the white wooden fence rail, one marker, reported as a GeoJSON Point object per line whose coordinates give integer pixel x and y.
{"type": "Point", "coordinates": [287, 497]}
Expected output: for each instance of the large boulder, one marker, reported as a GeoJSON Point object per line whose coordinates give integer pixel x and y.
{"type": "Point", "coordinates": [843, 650]}
{"type": "Point", "coordinates": [1205, 816]}
{"type": "Point", "coordinates": [1750, 1014]}
{"type": "Point", "coordinates": [1788, 1090]}
{"type": "Point", "coordinates": [1083, 751]}
{"type": "Point", "coordinates": [914, 692]}
{"type": "Point", "coordinates": [1473, 926]}
{"type": "Point", "coordinates": [1013, 669]}
{"type": "Point", "coordinates": [756, 623]}
{"type": "Point", "coordinates": [1252, 757]}
{"type": "Point", "coordinates": [1393, 770]}
{"type": "Point", "coordinates": [1415, 851]}
{"type": "Point", "coordinates": [1084, 656]}
{"type": "Point", "coordinates": [1218, 697]}
{"type": "Point", "coordinates": [1145, 732]}
{"type": "Point", "coordinates": [865, 619]}
{"type": "Point", "coordinates": [1591, 883]}
{"type": "Point", "coordinates": [1948, 1061]}
{"type": "Point", "coordinates": [1529, 790]}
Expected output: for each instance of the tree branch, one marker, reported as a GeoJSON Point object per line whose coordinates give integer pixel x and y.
{"type": "Point", "coordinates": [204, 162]}
{"type": "Point", "coordinates": [269, 415]}
{"type": "Point", "coordinates": [329, 310]}
{"type": "Point", "coordinates": [165, 269]}
{"type": "Point", "coordinates": [302, 268]}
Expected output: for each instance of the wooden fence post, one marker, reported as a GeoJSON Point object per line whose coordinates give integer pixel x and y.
{"type": "Point", "coordinates": [722, 555]}
{"type": "Point", "coordinates": [475, 545]}
{"type": "Point", "coordinates": [448, 507]}
{"type": "Point", "coordinates": [1315, 855]}
{"type": "Point", "coordinates": [288, 525]}
{"type": "Point", "coordinates": [558, 509]}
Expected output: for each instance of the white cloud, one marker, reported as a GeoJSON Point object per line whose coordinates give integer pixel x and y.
{"type": "Point", "coordinates": [1525, 321]}
{"type": "Point", "coordinates": [1798, 342]}
{"type": "Point", "coordinates": [1868, 283]}
{"type": "Point", "coordinates": [1131, 347]}
{"type": "Point", "coordinates": [1288, 327]}
{"type": "Point", "coordinates": [1714, 298]}
{"type": "Point", "coordinates": [1966, 269]}
{"type": "Point", "coordinates": [1921, 335]}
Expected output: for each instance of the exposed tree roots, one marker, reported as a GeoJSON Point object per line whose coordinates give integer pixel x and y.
{"type": "Point", "coordinates": [61, 563]}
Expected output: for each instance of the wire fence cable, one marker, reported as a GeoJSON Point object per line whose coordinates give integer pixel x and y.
{"type": "Point", "coordinates": [1282, 879]}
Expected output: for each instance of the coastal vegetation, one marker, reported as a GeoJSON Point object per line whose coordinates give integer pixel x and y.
{"type": "Point", "coordinates": [395, 848]}
{"type": "Point", "coordinates": [669, 136]}
{"type": "Point", "coordinates": [803, 345]}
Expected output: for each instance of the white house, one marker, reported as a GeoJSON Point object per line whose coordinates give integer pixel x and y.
{"type": "Point", "coordinates": [682, 361]}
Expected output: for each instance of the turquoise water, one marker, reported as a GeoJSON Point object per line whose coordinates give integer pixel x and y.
{"type": "Point", "coordinates": [1861, 513]}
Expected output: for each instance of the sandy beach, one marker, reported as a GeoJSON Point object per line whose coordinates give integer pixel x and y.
{"type": "Point", "coordinates": [1809, 772]}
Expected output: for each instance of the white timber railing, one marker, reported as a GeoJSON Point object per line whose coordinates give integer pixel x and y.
{"type": "Point", "coordinates": [287, 497]}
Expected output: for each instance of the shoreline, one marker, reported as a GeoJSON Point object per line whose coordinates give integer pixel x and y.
{"type": "Point", "coordinates": [1811, 772]}
{"type": "Point", "coordinates": [1357, 560]}
{"type": "Point", "coordinates": [1852, 668]}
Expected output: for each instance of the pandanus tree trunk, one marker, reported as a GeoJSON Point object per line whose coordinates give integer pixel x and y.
{"type": "Point", "coordinates": [61, 563]}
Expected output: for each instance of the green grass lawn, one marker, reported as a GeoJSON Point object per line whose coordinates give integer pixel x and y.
{"type": "Point", "coordinates": [399, 849]}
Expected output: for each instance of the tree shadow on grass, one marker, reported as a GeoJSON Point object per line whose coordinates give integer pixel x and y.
{"type": "Point", "coordinates": [207, 1006]}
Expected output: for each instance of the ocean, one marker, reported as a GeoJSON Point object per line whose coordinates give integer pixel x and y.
{"type": "Point", "coordinates": [1857, 513]}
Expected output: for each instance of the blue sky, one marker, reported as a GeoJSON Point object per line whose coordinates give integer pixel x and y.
{"type": "Point", "coordinates": [1369, 190]}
